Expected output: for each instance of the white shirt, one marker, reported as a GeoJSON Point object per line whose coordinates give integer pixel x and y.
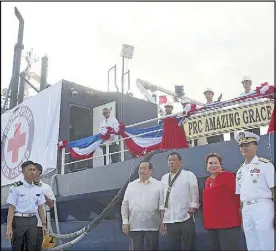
{"type": "Point", "coordinates": [142, 204]}
{"type": "Point", "coordinates": [110, 122]}
{"type": "Point", "coordinates": [46, 190]}
{"type": "Point", "coordinates": [254, 180]}
{"type": "Point", "coordinates": [25, 197]}
{"type": "Point", "coordinates": [184, 195]}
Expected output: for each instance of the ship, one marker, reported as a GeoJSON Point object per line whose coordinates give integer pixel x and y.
{"type": "Point", "coordinates": [89, 193]}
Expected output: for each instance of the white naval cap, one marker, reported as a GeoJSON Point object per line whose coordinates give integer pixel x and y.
{"type": "Point", "coordinates": [246, 78]}
{"type": "Point", "coordinates": [208, 90]}
{"type": "Point", "coordinates": [247, 137]}
{"type": "Point", "coordinates": [168, 103]}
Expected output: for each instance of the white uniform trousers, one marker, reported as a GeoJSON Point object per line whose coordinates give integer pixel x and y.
{"type": "Point", "coordinates": [258, 225]}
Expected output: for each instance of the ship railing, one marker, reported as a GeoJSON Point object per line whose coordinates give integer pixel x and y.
{"type": "Point", "coordinates": [121, 140]}
{"type": "Point", "coordinates": [108, 143]}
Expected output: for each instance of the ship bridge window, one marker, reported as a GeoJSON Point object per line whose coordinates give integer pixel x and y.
{"type": "Point", "coordinates": [81, 126]}
{"type": "Point", "coordinates": [215, 139]}
{"type": "Point", "coordinates": [81, 120]}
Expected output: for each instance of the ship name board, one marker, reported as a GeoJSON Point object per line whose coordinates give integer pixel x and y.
{"type": "Point", "coordinates": [228, 120]}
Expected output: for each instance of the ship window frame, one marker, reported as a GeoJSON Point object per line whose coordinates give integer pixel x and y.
{"type": "Point", "coordinates": [84, 164]}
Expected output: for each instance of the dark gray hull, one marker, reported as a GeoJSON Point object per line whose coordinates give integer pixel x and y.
{"type": "Point", "coordinates": [84, 194]}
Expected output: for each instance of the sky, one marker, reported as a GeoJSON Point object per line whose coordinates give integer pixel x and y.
{"type": "Point", "coordinates": [197, 45]}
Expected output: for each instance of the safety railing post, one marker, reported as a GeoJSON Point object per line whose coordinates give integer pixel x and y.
{"type": "Point", "coordinates": [62, 171]}
{"type": "Point", "coordinates": [122, 147]}
{"type": "Point", "coordinates": [107, 156]}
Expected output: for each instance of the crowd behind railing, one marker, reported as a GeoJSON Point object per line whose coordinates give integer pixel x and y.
{"type": "Point", "coordinates": [113, 147]}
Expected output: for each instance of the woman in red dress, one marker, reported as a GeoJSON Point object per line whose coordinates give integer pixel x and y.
{"type": "Point", "coordinates": [221, 206]}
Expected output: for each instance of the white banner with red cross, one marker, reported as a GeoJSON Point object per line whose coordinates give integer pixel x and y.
{"type": "Point", "coordinates": [30, 132]}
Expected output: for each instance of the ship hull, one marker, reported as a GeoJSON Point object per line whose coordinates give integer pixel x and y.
{"type": "Point", "coordinates": [79, 202]}
{"type": "Point", "coordinates": [108, 236]}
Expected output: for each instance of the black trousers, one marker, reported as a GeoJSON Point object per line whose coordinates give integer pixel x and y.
{"type": "Point", "coordinates": [39, 239]}
{"type": "Point", "coordinates": [113, 148]}
{"type": "Point", "coordinates": [24, 233]}
{"type": "Point", "coordinates": [224, 239]}
{"type": "Point", "coordinates": [138, 238]}
{"type": "Point", "coordinates": [182, 233]}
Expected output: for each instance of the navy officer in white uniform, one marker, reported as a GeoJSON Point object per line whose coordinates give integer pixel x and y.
{"type": "Point", "coordinates": [255, 184]}
{"type": "Point", "coordinates": [25, 199]}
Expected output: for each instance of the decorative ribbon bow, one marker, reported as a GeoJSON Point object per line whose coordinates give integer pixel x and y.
{"type": "Point", "coordinates": [62, 144]}
{"type": "Point", "coordinates": [188, 108]}
{"type": "Point", "coordinates": [265, 89]}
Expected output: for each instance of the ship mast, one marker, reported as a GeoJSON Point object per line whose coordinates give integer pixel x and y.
{"type": "Point", "coordinates": [30, 59]}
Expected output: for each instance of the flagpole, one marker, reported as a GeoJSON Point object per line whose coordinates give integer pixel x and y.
{"type": "Point", "coordinates": [127, 51]}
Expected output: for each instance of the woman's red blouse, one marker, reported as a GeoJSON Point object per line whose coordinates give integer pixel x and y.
{"type": "Point", "coordinates": [220, 203]}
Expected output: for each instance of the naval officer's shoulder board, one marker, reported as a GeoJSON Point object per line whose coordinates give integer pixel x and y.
{"type": "Point", "coordinates": [17, 184]}
{"type": "Point", "coordinates": [36, 183]}
{"type": "Point", "coordinates": [264, 160]}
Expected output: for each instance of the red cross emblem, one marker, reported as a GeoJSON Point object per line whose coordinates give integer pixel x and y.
{"type": "Point", "coordinates": [15, 143]}
{"type": "Point", "coordinates": [18, 141]}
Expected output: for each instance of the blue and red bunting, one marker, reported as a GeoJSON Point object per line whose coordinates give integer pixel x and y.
{"type": "Point", "coordinates": [168, 135]}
